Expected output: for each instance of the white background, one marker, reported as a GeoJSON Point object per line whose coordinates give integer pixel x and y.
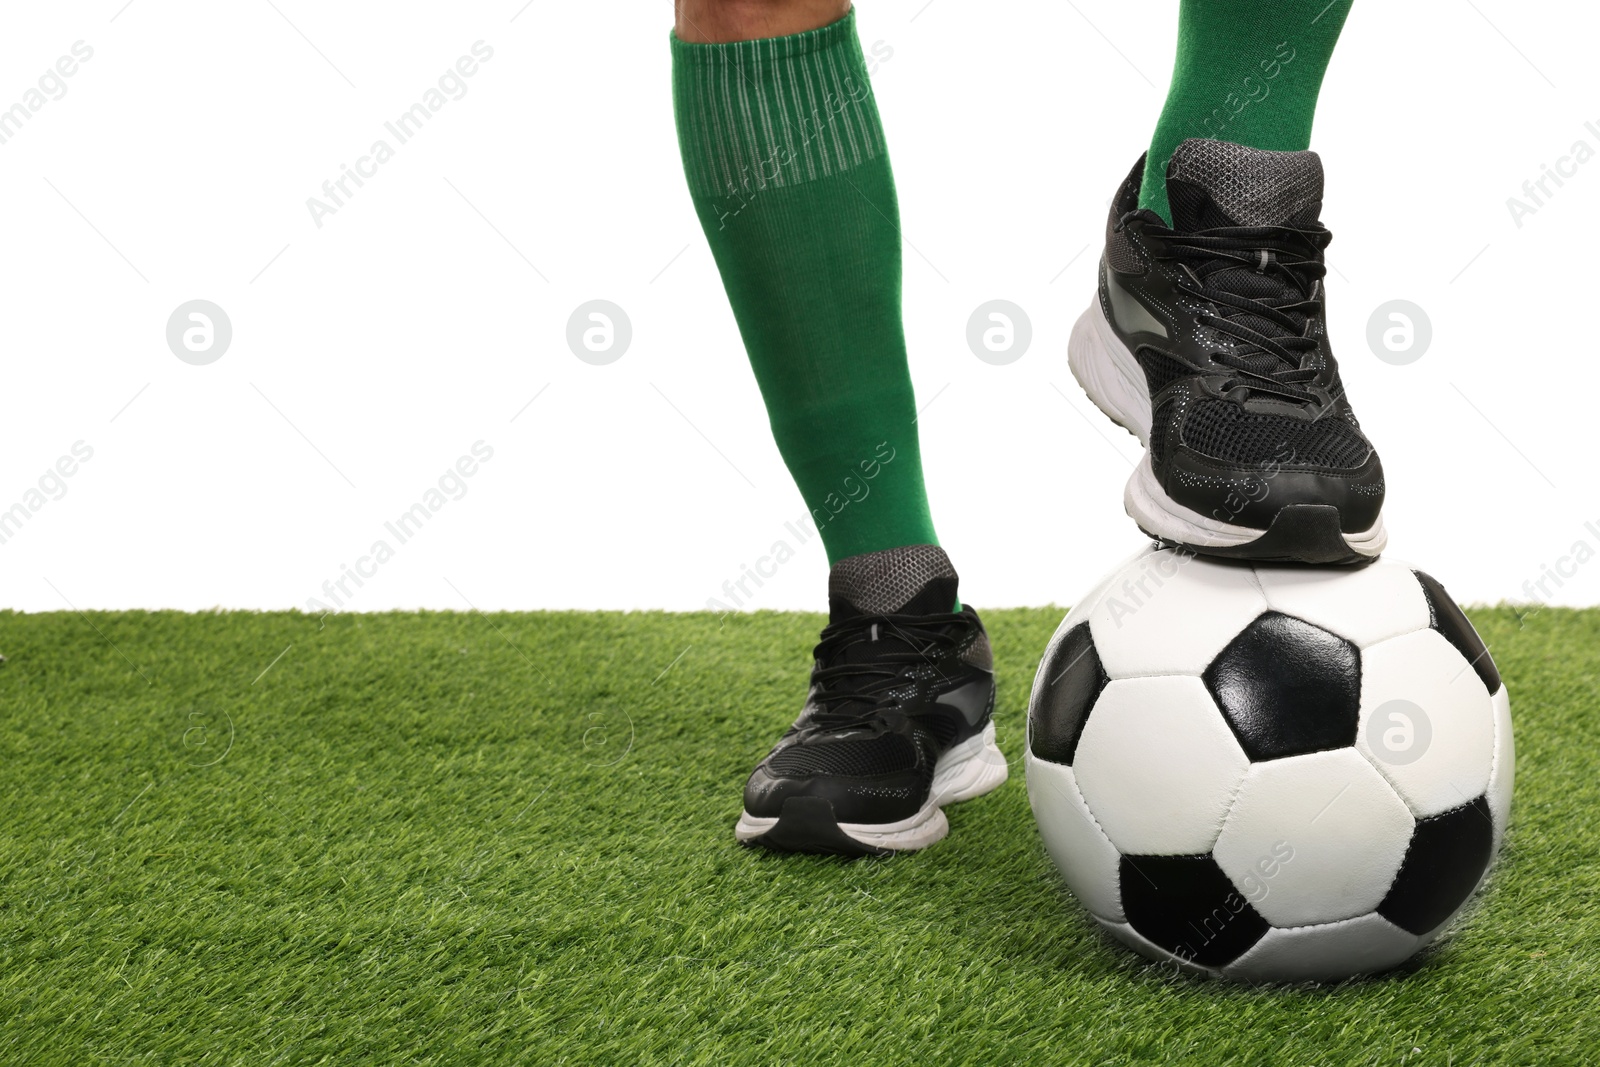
{"type": "Point", "coordinates": [424, 314]}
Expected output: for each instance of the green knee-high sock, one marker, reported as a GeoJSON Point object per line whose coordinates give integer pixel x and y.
{"type": "Point", "coordinates": [786, 163]}
{"type": "Point", "coordinates": [1248, 72]}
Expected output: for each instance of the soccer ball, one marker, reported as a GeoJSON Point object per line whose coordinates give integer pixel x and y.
{"type": "Point", "coordinates": [1270, 773]}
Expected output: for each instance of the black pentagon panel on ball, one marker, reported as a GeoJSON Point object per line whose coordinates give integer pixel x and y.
{"type": "Point", "coordinates": [1451, 623]}
{"type": "Point", "coordinates": [1071, 679]}
{"type": "Point", "coordinates": [1448, 854]}
{"type": "Point", "coordinates": [1287, 688]}
{"type": "Point", "coordinates": [1189, 906]}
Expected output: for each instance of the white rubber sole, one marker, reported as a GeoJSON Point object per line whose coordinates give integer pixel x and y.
{"type": "Point", "coordinates": [970, 769]}
{"type": "Point", "coordinates": [1116, 383]}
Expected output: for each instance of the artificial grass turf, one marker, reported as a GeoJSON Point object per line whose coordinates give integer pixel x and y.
{"type": "Point", "coordinates": [443, 838]}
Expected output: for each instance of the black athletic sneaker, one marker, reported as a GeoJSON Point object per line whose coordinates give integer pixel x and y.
{"type": "Point", "coordinates": [897, 723]}
{"type": "Point", "coordinates": [1208, 342]}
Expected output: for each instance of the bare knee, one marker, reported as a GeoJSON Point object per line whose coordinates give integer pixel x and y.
{"type": "Point", "coordinates": [720, 21]}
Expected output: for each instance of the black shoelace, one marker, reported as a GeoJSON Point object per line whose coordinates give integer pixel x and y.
{"type": "Point", "coordinates": [1290, 254]}
{"type": "Point", "coordinates": [856, 694]}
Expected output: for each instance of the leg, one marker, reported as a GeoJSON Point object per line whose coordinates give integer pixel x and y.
{"type": "Point", "coordinates": [789, 173]}
{"type": "Point", "coordinates": [788, 169]}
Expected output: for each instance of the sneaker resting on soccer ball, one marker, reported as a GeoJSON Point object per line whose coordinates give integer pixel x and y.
{"type": "Point", "coordinates": [1208, 341]}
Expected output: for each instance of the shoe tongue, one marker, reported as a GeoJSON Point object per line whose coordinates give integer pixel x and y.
{"type": "Point", "coordinates": [913, 580]}
{"type": "Point", "coordinates": [1214, 183]}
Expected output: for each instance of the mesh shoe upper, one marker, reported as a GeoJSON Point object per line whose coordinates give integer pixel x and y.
{"type": "Point", "coordinates": [1228, 432]}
